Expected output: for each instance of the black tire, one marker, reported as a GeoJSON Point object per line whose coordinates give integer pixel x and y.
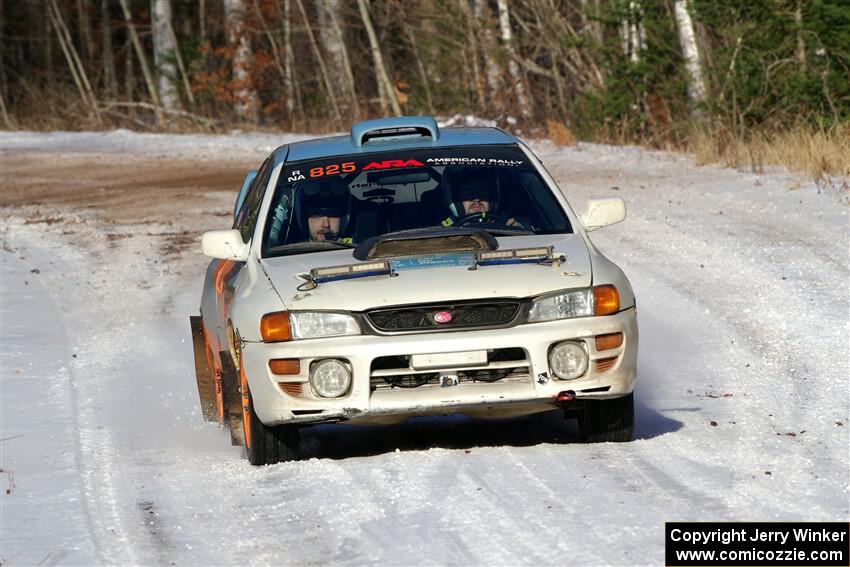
{"type": "Point", "coordinates": [270, 445]}
{"type": "Point", "coordinates": [607, 420]}
{"type": "Point", "coordinates": [231, 398]}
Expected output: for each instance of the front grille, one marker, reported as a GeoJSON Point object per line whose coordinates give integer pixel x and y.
{"type": "Point", "coordinates": [503, 365]}
{"type": "Point", "coordinates": [463, 315]}
{"type": "Point", "coordinates": [409, 247]}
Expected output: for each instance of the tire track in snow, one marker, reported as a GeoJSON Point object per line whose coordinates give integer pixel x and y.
{"type": "Point", "coordinates": [91, 375]}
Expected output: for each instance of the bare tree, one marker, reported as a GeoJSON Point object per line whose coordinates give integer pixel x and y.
{"type": "Point", "coordinates": [143, 61]}
{"type": "Point", "coordinates": [633, 34]}
{"type": "Point", "coordinates": [180, 65]}
{"type": "Point", "coordinates": [493, 72]}
{"type": "Point", "coordinates": [329, 88]}
{"type": "Point", "coordinates": [107, 55]}
{"type": "Point", "coordinates": [474, 52]}
{"type": "Point", "coordinates": [687, 39]}
{"type": "Point", "coordinates": [84, 26]}
{"type": "Point", "coordinates": [333, 45]}
{"type": "Point", "coordinates": [354, 105]}
{"type": "Point", "coordinates": [289, 83]}
{"type": "Point", "coordinates": [164, 48]}
{"type": "Point", "coordinates": [78, 72]}
{"type": "Point", "coordinates": [385, 87]}
{"type": "Point", "coordinates": [523, 102]}
{"type": "Point", "coordinates": [247, 102]}
{"type": "Point", "coordinates": [270, 36]}
{"type": "Point", "coordinates": [129, 72]}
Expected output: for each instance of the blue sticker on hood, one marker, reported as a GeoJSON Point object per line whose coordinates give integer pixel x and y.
{"type": "Point", "coordinates": [432, 261]}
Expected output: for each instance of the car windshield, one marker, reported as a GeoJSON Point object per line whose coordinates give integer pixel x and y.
{"type": "Point", "coordinates": [336, 202]}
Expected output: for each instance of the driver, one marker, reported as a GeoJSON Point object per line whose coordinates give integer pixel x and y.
{"type": "Point", "coordinates": [472, 196]}
{"type": "Point", "coordinates": [322, 209]}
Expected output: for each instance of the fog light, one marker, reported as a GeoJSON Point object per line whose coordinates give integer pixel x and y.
{"type": "Point", "coordinates": [568, 360]}
{"type": "Point", "coordinates": [330, 378]}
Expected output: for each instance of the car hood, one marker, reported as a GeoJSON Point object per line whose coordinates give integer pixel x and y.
{"type": "Point", "coordinates": [430, 284]}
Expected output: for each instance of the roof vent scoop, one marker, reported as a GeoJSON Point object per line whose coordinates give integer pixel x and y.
{"type": "Point", "coordinates": [402, 128]}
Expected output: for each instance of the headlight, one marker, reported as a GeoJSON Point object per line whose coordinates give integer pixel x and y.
{"type": "Point", "coordinates": [563, 306]}
{"type": "Point", "coordinates": [330, 378]}
{"type": "Point", "coordinates": [311, 325]}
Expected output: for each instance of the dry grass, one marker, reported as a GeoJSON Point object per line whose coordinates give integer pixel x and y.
{"type": "Point", "coordinates": [559, 133]}
{"type": "Point", "coordinates": [818, 153]}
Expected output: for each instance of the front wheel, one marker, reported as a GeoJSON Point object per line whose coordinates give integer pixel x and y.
{"type": "Point", "coordinates": [267, 445]}
{"type": "Point", "coordinates": [607, 420]}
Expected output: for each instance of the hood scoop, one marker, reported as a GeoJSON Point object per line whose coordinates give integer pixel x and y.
{"type": "Point", "coordinates": [429, 241]}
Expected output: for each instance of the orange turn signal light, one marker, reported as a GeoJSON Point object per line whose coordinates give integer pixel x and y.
{"type": "Point", "coordinates": [607, 299]}
{"type": "Point", "coordinates": [609, 341]}
{"type": "Point", "coordinates": [285, 366]}
{"type": "Point", "coordinates": [274, 327]}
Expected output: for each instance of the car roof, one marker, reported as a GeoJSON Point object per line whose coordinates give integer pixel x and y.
{"type": "Point", "coordinates": [346, 145]}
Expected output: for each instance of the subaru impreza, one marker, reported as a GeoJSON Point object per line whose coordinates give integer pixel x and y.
{"type": "Point", "coordinates": [409, 270]}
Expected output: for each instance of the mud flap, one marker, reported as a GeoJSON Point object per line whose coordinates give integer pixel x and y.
{"type": "Point", "coordinates": [231, 395]}
{"type": "Point", "coordinates": [203, 373]}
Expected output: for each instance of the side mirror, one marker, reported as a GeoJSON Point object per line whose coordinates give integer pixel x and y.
{"type": "Point", "coordinates": [603, 212]}
{"type": "Point", "coordinates": [246, 184]}
{"type": "Point", "coordinates": [224, 245]}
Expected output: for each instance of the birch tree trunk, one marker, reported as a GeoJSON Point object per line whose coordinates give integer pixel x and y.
{"type": "Point", "coordinates": [293, 91]}
{"type": "Point", "coordinates": [690, 52]}
{"type": "Point", "coordinates": [184, 74]}
{"type": "Point", "coordinates": [385, 87]}
{"type": "Point", "coordinates": [632, 32]}
{"type": "Point", "coordinates": [330, 37]}
{"type": "Point", "coordinates": [247, 103]}
{"type": "Point", "coordinates": [492, 70]}
{"type": "Point", "coordinates": [354, 105]}
{"type": "Point", "coordinates": [523, 102]}
{"type": "Point", "coordinates": [164, 49]}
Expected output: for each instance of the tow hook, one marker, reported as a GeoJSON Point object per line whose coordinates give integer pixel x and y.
{"type": "Point", "coordinates": [563, 398]}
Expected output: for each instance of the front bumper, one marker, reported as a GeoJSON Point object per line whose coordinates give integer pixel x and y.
{"type": "Point", "coordinates": [289, 399]}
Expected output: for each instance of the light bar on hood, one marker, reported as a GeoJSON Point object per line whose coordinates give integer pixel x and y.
{"type": "Point", "coordinates": [513, 256]}
{"type": "Point", "coordinates": [350, 271]}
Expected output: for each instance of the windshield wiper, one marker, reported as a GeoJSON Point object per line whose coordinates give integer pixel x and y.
{"type": "Point", "coordinates": [508, 231]}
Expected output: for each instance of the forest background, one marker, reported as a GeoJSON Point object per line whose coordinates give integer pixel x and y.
{"type": "Point", "coordinates": [745, 83]}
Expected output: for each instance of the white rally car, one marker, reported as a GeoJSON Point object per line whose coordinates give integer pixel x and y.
{"type": "Point", "coordinates": [407, 270]}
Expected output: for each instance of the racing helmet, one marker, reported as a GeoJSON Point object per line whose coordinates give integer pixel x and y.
{"type": "Point", "coordinates": [328, 196]}
{"type": "Point", "coordinates": [467, 184]}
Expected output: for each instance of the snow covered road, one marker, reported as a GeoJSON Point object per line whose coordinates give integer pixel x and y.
{"type": "Point", "coordinates": [743, 289]}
